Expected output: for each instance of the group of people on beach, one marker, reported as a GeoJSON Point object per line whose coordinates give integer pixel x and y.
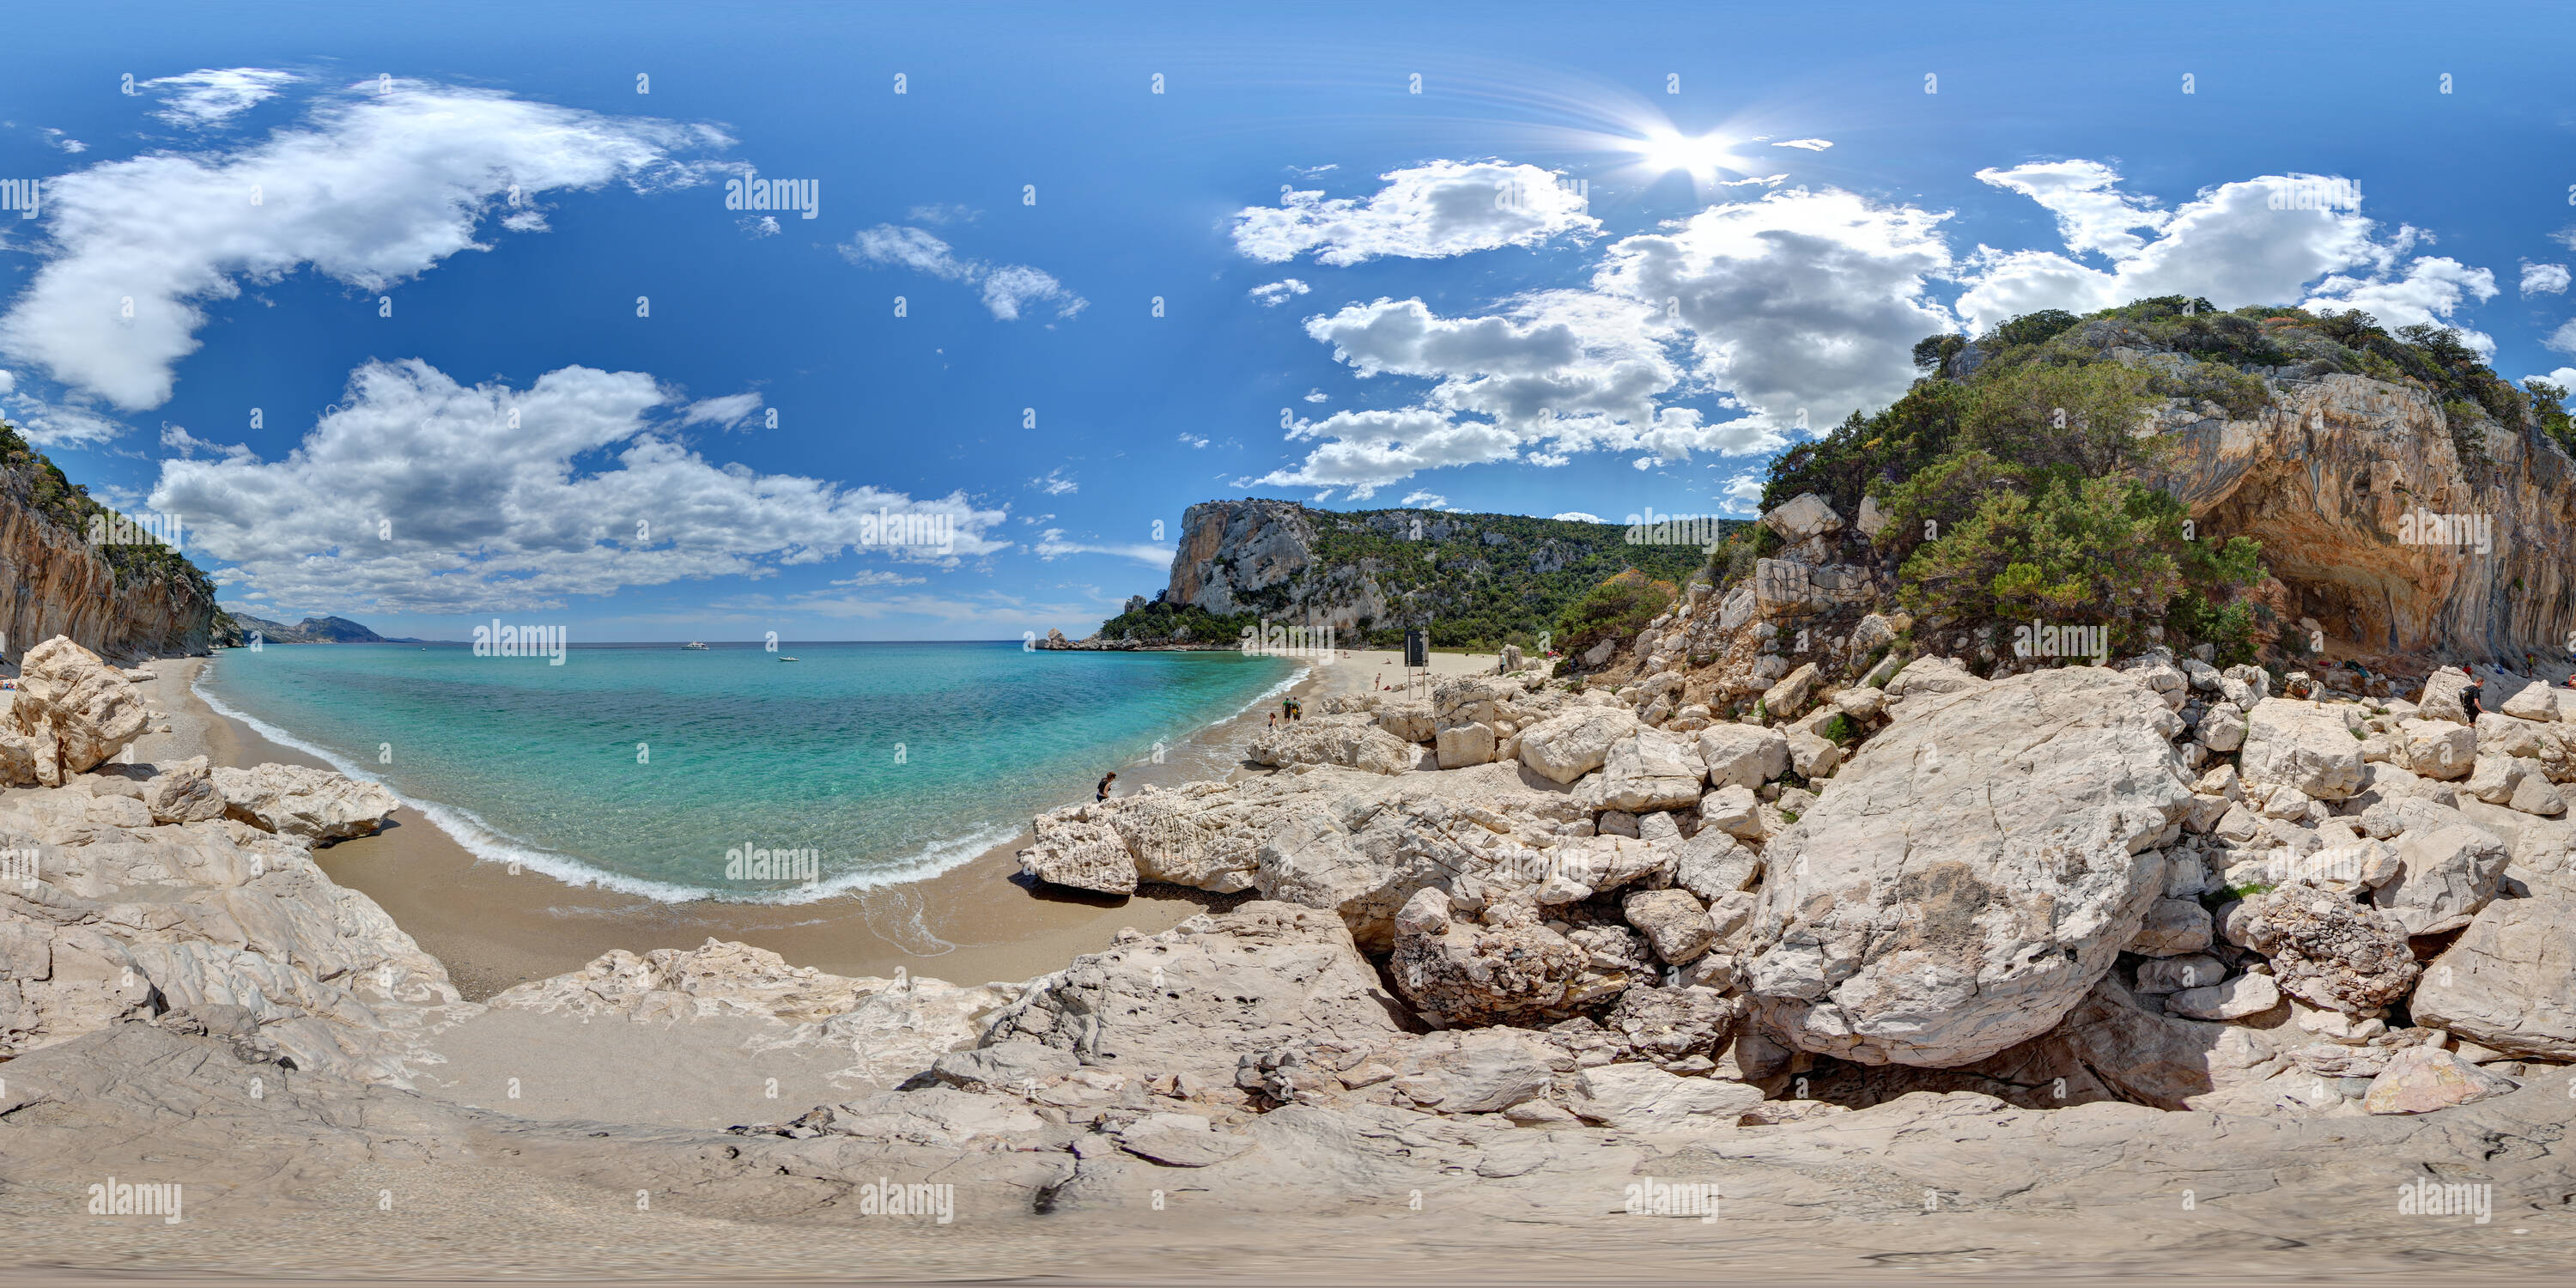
{"type": "Point", "coordinates": [1289, 709]}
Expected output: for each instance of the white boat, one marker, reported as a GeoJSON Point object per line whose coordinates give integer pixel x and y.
{"type": "Point", "coordinates": [787, 659]}
{"type": "Point", "coordinates": [695, 644]}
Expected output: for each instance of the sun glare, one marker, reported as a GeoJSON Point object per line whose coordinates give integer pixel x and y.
{"type": "Point", "coordinates": [1668, 150]}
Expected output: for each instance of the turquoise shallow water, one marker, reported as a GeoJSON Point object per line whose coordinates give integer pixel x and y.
{"type": "Point", "coordinates": [889, 762]}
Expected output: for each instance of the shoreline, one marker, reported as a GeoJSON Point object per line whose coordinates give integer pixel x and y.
{"type": "Point", "coordinates": [979, 921]}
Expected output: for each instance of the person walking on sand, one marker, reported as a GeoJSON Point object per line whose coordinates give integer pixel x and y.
{"type": "Point", "coordinates": [1108, 781]}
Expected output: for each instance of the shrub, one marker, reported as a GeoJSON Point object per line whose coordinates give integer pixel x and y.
{"type": "Point", "coordinates": [1617, 608]}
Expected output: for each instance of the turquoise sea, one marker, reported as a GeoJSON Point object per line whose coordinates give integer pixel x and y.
{"type": "Point", "coordinates": [638, 766]}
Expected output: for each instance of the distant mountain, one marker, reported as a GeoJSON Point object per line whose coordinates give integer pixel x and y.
{"type": "Point", "coordinates": [312, 630]}
{"type": "Point", "coordinates": [1474, 580]}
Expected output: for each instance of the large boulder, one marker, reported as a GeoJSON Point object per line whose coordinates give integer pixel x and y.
{"type": "Point", "coordinates": [2327, 950]}
{"type": "Point", "coordinates": [1648, 770]}
{"type": "Point", "coordinates": [1508, 968]}
{"type": "Point", "coordinates": [1643, 1098]}
{"type": "Point", "coordinates": [2444, 876]}
{"type": "Point", "coordinates": [1198, 997]}
{"type": "Point", "coordinates": [2438, 748]}
{"type": "Point", "coordinates": [2162, 1060]}
{"type": "Point", "coordinates": [2419, 1080]}
{"type": "Point", "coordinates": [1802, 516]}
{"type": "Point", "coordinates": [297, 800]}
{"type": "Point", "coordinates": [1786, 698]}
{"type": "Point", "coordinates": [1743, 755]}
{"type": "Point", "coordinates": [2509, 981]}
{"type": "Point", "coordinates": [1565, 747]}
{"type": "Point", "coordinates": [2441, 697]}
{"type": "Point", "coordinates": [1080, 847]}
{"type": "Point", "coordinates": [1410, 721]}
{"type": "Point", "coordinates": [1971, 873]}
{"type": "Point", "coordinates": [1352, 741]}
{"type": "Point", "coordinates": [184, 793]}
{"type": "Point", "coordinates": [1932, 675]}
{"type": "Point", "coordinates": [75, 710]}
{"type": "Point", "coordinates": [2303, 745]}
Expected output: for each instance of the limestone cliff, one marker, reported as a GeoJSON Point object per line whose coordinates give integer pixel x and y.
{"type": "Point", "coordinates": [1473, 579]}
{"type": "Point", "coordinates": [2326, 477]}
{"type": "Point", "coordinates": [122, 602]}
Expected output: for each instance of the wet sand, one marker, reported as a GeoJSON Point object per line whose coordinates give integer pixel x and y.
{"type": "Point", "coordinates": [976, 923]}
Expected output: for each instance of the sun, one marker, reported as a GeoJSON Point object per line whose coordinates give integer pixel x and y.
{"type": "Point", "coordinates": [1668, 150]}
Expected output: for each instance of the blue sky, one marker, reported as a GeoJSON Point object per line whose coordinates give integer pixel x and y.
{"type": "Point", "coordinates": [1601, 261]}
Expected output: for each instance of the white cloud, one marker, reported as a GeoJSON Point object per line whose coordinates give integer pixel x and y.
{"type": "Point", "coordinates": [1052, 545]}
{"type": "Point", "coordinates": [935, 213]}
{"type": "Point", "coordinates": [1742, 493]}
{"type": "Point", "coordinates": [2430, 290]}
{"type": "Point", "coordinates": [1765, 181]}
{"type": "Point", "coordinates": [1008, 289]}
{"type": "Point", "coordinates": [2092, 213]}
{"type": "Point", "coordinates": [66, 142]}
{"type": "Point", "coordinates": [2543, 279]}
{"type": "Point", "coordinates": [2564, 378]}
{"type": "Point", "coordinates": [753, 226]}
{"type": "Point", "coordinates": [2227, 244]}
{"type": "Point", "coordinates": [374, 190]}
{"type": "Point", "coordinates": [1812, 145]}
{"type": "Point", "coordinates": [1798, 301]}
{"type": "Point", "coordinates": [1274, 294]}
{"type": "Point", "coordinates": [729, 411]}
{"type": "Point", "coordinates": [478, 516]}
{"type": "Point", "coordinates": [1192, 440]}
{"type": "Point", "coordinates": [215, 95]}
{"type": "Point", "coordinates": [1428, 212]}
{"type": "Point", "coordinates": [1577, 516]}
{"type": "Point", "coordinates": [1317, 395]}
{"type": "Point", "coordinates": [1055, 483]}
{"type": "Point", "coordinates": [1426, 501]}
{"type": "Point", "coordinates": [2564, 338]}
{"type": "Point", "coordinates": [51, 424]}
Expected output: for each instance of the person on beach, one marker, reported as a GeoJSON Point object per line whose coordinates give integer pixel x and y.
{"type": "Point", "coordinates": [1274, 719]}
{"type": "Point", "coordinates": [1107, 781]}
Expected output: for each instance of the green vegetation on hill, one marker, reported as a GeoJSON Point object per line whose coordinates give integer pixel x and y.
{"type": "Point", "coordinates": [1619, 607]}
{"type": "Point", "coordinates": [2016, 488]}
{"type": "Point", "coordinates": [69, 505]}
{"type": "Point", "coordinates": [1476, 581]}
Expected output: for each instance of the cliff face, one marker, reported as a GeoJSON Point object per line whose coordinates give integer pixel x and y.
{"type": "Point", "coordinates": [54, 582]}
{"type": "Point", "coordinates": [1232, 549]}
{"type": "Point", "coordinates": [2336, 478]}
{"type": "Point", "coordinates": [1469, 577]}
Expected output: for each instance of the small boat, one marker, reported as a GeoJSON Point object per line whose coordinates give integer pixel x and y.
{"type": "Point", "coordinates": [787, 659]}
{"type": "Point", "coordinates": [695, 644]}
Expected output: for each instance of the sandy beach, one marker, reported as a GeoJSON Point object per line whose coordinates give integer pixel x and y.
{"type": "Point", "coordinates": [980, 921]}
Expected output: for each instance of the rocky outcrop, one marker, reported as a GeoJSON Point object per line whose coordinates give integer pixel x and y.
{"type": "Point", "coordinates": [1965, 880]}
{"type": "Point", "coordinates": [1351, 741]}
{"type": "Point", "coordinates": [113, 601]}
{"type": "Point", "coordinates": [123, 918]}
{"type": "Point", "coordinates": [73, 711]}
{"type": "Point", "coordinates": [298, 800]}
{"type": "Point", "coordinates": [2323, 475]}
{"type": "Point", "coordinates": [2509, 981]}
{"type": "Point", "coordinates": [1200, 996]}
